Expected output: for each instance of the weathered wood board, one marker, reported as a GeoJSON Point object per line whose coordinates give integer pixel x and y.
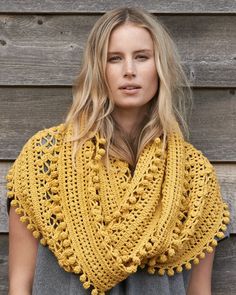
{"type": "Point", "coordinates": [47, 49]}
{"type": "Point", "coordinates": [91, 6]}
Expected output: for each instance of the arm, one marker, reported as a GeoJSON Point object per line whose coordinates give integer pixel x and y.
{"type": "Point", "coordinates": [22, 256]}
{"type": "Point", "coordinates": [200, 279]}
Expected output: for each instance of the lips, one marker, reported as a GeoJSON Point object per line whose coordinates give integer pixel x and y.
{"type": "Point", "coordinates": [129, 86]}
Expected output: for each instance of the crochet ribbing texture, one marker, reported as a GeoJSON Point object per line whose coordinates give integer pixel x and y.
{"type": "Point", "coordinates": [103, 223]}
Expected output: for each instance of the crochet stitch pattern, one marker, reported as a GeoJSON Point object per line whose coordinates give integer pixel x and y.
{"type": "Point", "coordinates": [103, 224]}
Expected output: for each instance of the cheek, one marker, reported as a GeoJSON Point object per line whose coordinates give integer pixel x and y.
{"type": "Point", "coordinates": [151, 79]}
{"type": "Point", "coordinates": [111, 75]}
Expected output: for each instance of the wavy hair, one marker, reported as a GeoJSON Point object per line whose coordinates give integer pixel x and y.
{"type": "Point", "coordinates": [168, 109]}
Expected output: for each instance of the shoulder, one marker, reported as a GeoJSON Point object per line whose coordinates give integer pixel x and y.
{"type": "Point", "coordinates": [50, 134]}
{"type": "Point", "coordinates": [46, 138]}
{"type": "Point", "coordinates": [195, 156]}
{"type": "Point", "coordinates": [40, 145]}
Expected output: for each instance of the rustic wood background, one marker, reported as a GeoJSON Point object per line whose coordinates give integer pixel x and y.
{"type": "Point", "coordinates": [41, 45]}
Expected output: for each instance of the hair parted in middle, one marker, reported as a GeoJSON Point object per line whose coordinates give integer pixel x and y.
{"type": "Point", "coordinates": [168, 109]}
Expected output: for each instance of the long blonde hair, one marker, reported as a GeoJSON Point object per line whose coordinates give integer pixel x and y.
{"type": "Point", "coordinates": [168, 108]}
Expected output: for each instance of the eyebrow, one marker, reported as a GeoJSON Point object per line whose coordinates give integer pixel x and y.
{"type": "Point", "coordinates": [137, 51]}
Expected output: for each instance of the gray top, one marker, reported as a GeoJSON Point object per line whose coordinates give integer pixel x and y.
{"type": "Point", "coordinates": [51, 279]}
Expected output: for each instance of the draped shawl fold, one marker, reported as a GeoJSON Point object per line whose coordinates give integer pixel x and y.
{"type": "Point", "coordinates": [103, 223]}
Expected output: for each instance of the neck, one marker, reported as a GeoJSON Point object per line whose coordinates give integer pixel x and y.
{"type": "Point", "coordinates": [128, 120]}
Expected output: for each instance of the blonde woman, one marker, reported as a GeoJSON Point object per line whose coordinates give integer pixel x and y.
{"type": "Point", "coordinates": [115, 200]}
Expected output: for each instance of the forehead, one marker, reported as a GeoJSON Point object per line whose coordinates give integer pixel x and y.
{"type": "Point", "coordinates": [129, 36]}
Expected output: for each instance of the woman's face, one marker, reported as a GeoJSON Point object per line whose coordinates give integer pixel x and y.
{"type": "Point", "coordinates": [131, 71]}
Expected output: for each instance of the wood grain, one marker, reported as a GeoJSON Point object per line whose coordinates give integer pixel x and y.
{"type": "Point", "coordinates": [47, 49]}
{"type": "Point", "coordinates": [91, 6]}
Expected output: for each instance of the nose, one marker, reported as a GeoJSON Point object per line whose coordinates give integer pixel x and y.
{"type": "Point", "coordinates": [129, 68]}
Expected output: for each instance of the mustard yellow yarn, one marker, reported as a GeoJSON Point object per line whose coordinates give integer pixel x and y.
{"type": "Point", "coordinates": [103, 224]}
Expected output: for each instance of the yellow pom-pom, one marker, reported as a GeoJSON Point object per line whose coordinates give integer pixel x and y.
{"type": "Point", "coordinates": [86, 285]}
{"type": "Point", "coordinates": [54, 189]}
{"type": "Point", "coordinates": [188, 266]}
{"type": "Point", "coordinates": [179, 269]}
{"type": "Point", "coordinates": [54, 183]}
{"type": "Point", "coordinates": [226, 207]}
{"type": "Point", "coordinates": [94, 292]}
{"type": "Point", "coordinates": [196, 261]}
{"type": "Point", "coordinates": [62, 225]}
{"type": "Point", "coordinates": [60, 216]}
{"type": "Point", "coordinates": [142, 252]}
{"type": "Point", "coordinates": [157, 140]}
{"type": "Point", "coordinates": [152, 261]}
{"type": "Point", "coordinates": [226, 220]}
{"type": "Point", "coordinates": [140, 190]}
{"type": "Point", "coordinates": [209, 249]}
{"type": "Point", "coordinates": [149, 176]}
{"type": "Point", "coordinates": [36, 234]}
{"type": "Point", "coordinates": [170, 272]}
{"type": "Point", "coordinates": [223, 227]}
{"type": "Point", "coordinates": [72, 260]}
{"type": "Point", "coordinates": [202, 255]}
{"type": "Point", "coordinates": [83, 278]}
{"type": "Point", "coordinates": [117, 214]}
{"type": "Point", "coordinates": [95, 178]}
{"type": "Point", "coordinates": [178, 244]}
{"type": "Point", "coordinates": [161, 272]}
{"type": "Point", "coordinates": [10, 194]}
{"type": "Point", "coordinates": [119, 260]}
{"type": "Point", "coordinates": [148, 246]}
{"type": "Point", "coordinates": [154, 168]}
{"type": "Point", "coordinates": [163, 258]}
{"type": "Point", "coordinates": [171, 252]}
{"type": "Point", "coordinates": [9, 177]}
{"type": "Point", "coordinates": [55, 198]}
{"type": "Point", "coordinates": [54, 174]}
{"type": "Point", "coordinates": [226, 213]}
{"type": "Point", "coordinates": [56, 209]}
{"type": "Point", "coordinates": [136, 260]}
{"type": "Point", "coordinates": [23, 218]}
{"type": "Point", "coordinates": [18, 210]}
{"type": "Point", "coordinates": [9, 185]}
{"type": "Point", "coordinates": [145, 182]}
{"type": "Point", "coordinates": [98, 157]}
{"type": "Point", "coordinates": [220, 235]}
{"type": "Point", "coordinates": [153, 239]}
{"type": "Point", "coordinates": [63, 235]}
{"type": "Point", "coordinates": [156, 161]}
{"type": "Point", "coordinates": [43, 241]}
{"type": "Point", "coordinates": [14, 203]}
{"type": "Point", "coordinates": [77, 269]}
{"type": "Point", "coordinates": [107, 218]}
{"type": "Point", "coordinates": [30, 226]}
{"type": "Point", "coordinates": [151, 270]}
{"type": "Point", "coordinates": [68, 252]}
{"type": "Point", "coordinates": [101, 152]}
{"type": "Point", "coordinates": [131, 268]}
{"type": "Point", "coordinates": [132, 199]}
{"type": "Point", "coordinates": [214, 243]}
{"type": "Point", "coordinates": [102, 140]}
{"type": "Point", "coordinates": [176, 230]}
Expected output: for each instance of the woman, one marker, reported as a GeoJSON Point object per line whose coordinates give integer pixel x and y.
{"type": "Point", "coordinates": [115, 200]}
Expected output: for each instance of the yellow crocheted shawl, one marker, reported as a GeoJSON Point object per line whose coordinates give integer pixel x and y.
{"type": "Point", "coordinates": [103, 224]}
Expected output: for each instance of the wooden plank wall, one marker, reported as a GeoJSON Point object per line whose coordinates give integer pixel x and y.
{"type": "Point", "coordinates": [41, 45]}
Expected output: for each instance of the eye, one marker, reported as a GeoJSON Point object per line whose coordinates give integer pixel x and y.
{"type": "Point", "coordinates": [143, 57]}
{"type": "Point", "coordinates": [113, 58]}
